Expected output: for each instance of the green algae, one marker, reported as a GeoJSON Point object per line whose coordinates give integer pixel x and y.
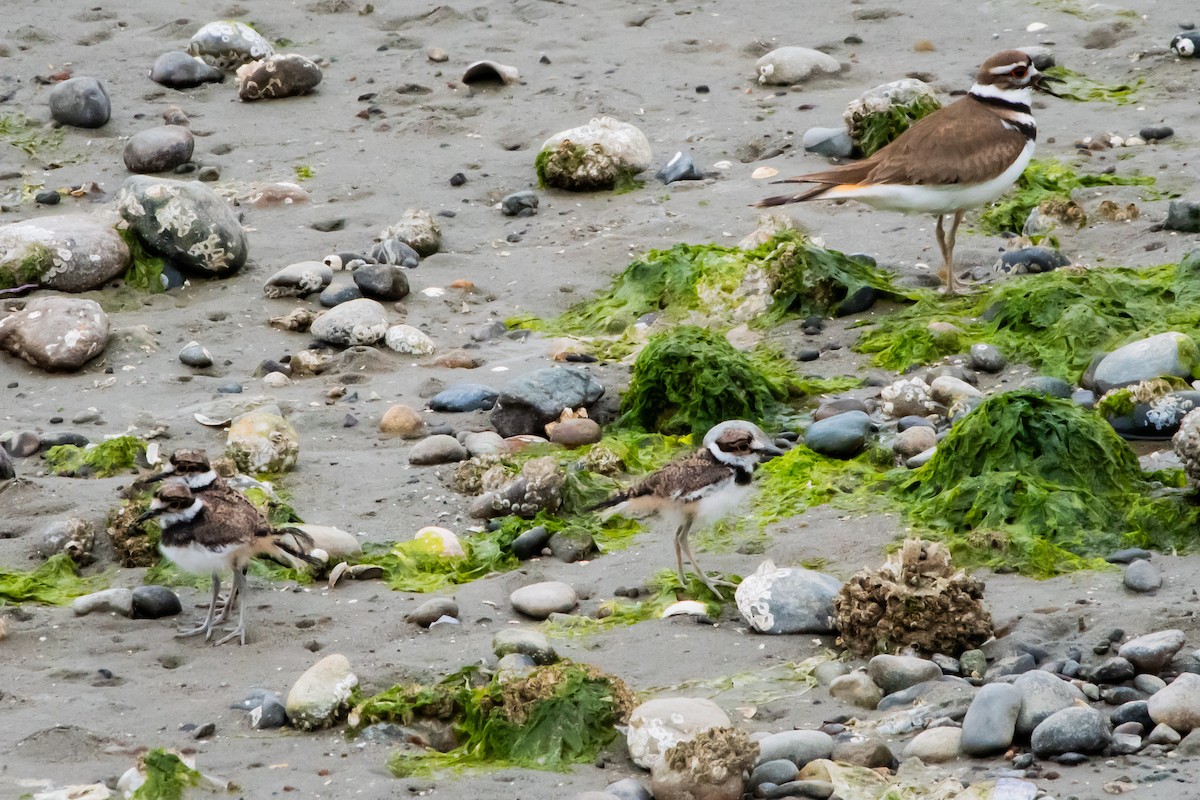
{"type": "Point", "coordinates": [1083, 89]}
{"type": "Point", "coordinates": [1043, 486]}
{"type": "Point", "coordinates": [55, 582]}
{"type": "Point", "coordinates": [38, 258]}
{"type": "Point", "coordinates": [167, 777]}
{"type": "Point", "coordinates": [549, 719]}
{"type": "Point", "coordinates": [874, 131]}
{"type": "Point", "coordinates": [145, 268]}
{"type": "Point", "coordinates": [28, 135]}
{"type": "Point", "coordinates": [104, 459]}
{"type": "Point", "coordinates": [665, 590]}
{"type": "Point", "coordinates": [582, 169]}
{"type": "Point", "coordinates": [1043, 181]}
{"type": "Point", "coordinates": [801, 479]}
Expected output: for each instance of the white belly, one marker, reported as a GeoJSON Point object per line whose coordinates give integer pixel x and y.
{"type": "Point", "coordinates": [936, 199]}
{"type": "Point", "coordinates": [200, 560]}
{"type": "Point", "coordinates": [719, 504]}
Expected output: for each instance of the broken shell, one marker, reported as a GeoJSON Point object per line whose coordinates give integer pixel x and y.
{"type": "Point", "coordinates": [212, 422]}
{"type": "Point", "coordinates": [491, 72]}
{"type": "Point", "coordinates": [764, 172]}
{"type": "Point", "coordinates": [437, 55]}
{"type": "Point", "coordinates": [433, 291]}
{"type": "Point", "coordinates": [337, 573]}
{"type": "Point", "coordinates": [692, 608]}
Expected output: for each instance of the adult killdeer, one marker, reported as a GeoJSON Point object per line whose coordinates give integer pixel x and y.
{"type": "Point", "coordinates": [211, 532]}
{"type": "Point", "coordinates": [701, 488]}
{"type": "Point", "coordinates": [960, 156]}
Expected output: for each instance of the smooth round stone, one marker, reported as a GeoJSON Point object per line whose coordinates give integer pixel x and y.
{"type": "Point", "coordinates": [1163, 734]}
{"type": "Point", "coordinates": [787, 600]}
{"type": "Point", "coordinates": [540, 600]}
{"type": "Point", "coordinates": [299, 279]}
{"type": "Point", "coordinates": [178, 70]}
{"type": "Point", "coordinates": [158, 149]}
{"type": "Point", "coordinates": [526, 641]}
{"type": "Point", "coordinates": [277, 76]}
{"type": "Point", "coordinates": [1042, 694]}
{"type": "Point", "coordinates": [226, 44]}
{"type": "Point", "coordinates": [829, 142]}
{"type": "Point", "coordinates": [530, 543]}
{"type": "Point", "coordinates": [336, 294]}
{"type": "Point", "coordinates": [56, 333]}
{"type": "Point", "coordinates": [1032, 260]}
{"type": "Point", "coordinates": [1112, 670]}
{"type": "Point", "coordinates": [23, 444]}
{"type": "Point", "coordinates": [659, 724]}
{"type": "Point", "coordinates": [1153, 133]}
{"type": "Point", "coordinates": [395, 252]}
{"type": "Point", "coordinates": [382, 281]}
{"type": "Point", "coordinates": [432, 610]}
{"type": "Point", "coordinates": [1119, 695]}
{"type": "Point", "coordinates": [358, 322]}
{"type": "Point", "coordinates": [842, 436]}
{"type": "Point", "coordinates": [1123, 744]}
{"type": "Point", "coordinates": [155, 602]}
{"type": "Point", "coordinates": [857, 688]}
{"type": "Point", "coordinates": [1135, 711]}
{"type": "Point", "coordinates": [520, 204]}
{"type": "Point", "coordinates": [408, 340]}
{"type": "Point", "coordinates": [1078, 729]}
{"type": "Point", "coordinates": [1183, 215]}
{"type": "Point", "coordinates": [911, 421]}
{"type": "Point", "coordinates": [319, 696]}
{"type": "Point", "coordinates": [628, 789]}
{"type": "Point", "coordinates": [896, 673]}
{"type": "Point", "coordinates": [118, 600]}
{"type": "Point", "coordinates": [798, 747]}
{"type": "Point", "coordinates": [57, 438]}
{"type": "Point", "coordinates": [516, 664]}
{"type": "Point", "coordinates": [831, 408]}
{"type": "Point", "coordinates": [778, 771]}
{"type": "Point", "coordinates": [914, 440]}
{"type": "Point", "coordinates": [947, 389]}
{"type": "Point", "coordinates": [1142, 576]}
{"type": "Point", "coordinates": [464, 397]}
{"type": "Point", "coordinates": [1149, 684]}
{"type": "Point", "coordinates": [1162, 355]}
{"type": "Point", "coordinates": [484, 443]}
{"type": "Point", "coordinates": [576, 432]}
{"type": "Point", "coordinates": [1051, 387]}
{"type": "Point", "coordinates": [196, 355]}
{"type": "Point", "coordinates": [935, 745]}
{"type": "Point", "coordinates": [489, 330]}
{"type": "Point", "coordinates": [862, 751]}
{"type": "Point", "coordinates": [987, 358]}
{"type": "Point", "coordinates": [571, 546]}
{"type": "Point", "coordinates": [80, 102]}
{"type": "Point", "coordinates": [1152, 652]}
{"type": "Point", "coordinates": [48, 197]}
{"type": "Point", "coordinates": [271, 713]}
{"type": "Point", "coordinates": [991, 720]}
{"type": "Point", "coordinates": [1178, 705]}
{"type": "Point", "coordinates": [437, 449]}
{"type": "Point", "coordinates": [401, 420]}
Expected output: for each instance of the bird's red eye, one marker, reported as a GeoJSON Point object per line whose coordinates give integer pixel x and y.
{"type": "Point", "coordinates": [1019, 72]}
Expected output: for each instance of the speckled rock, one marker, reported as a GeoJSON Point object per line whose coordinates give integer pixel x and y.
{"type": "Point", "coordinates": [987, 358]}
{"type": "Point", "coordinates": [80, 102]}
{"type": "Point", "coordinates": [178, 70]}
{"type": "Point", "coordinates": [540, 600]}
{"type": "Point", "coordinates": [56, 334]}
{"type": "Point", "coordinates": [322, 694]}
{"type": "Point", "coordinates": [186, 221]}
{"type": "Point", "coordinates": [408, 340]}
{"type": "Point", "coordinates": [67, 252]}
{"type": "Point", "coordinates": [657, 725]}
{"type": "Point", "coordinates": [297, 280]}
{"type": "Point", "coordinates": [277, 76]}
{"type": "Point", "coordinates": [158, 149]}
{"type": "Point", "coordinates": [787, 600]}
{"type": "Point", "coordinates": [895, 673]}
{"type": "Point", "coordinates": [1078, 729]}
{"type": "Point", "coordinates": [418, 229]}
{"type": "Point", "coordinates": [357, 322]}
{"type": "Point", "coordinates": [263, 441]}
{"type": "Point", "coordinates": [227, 44]}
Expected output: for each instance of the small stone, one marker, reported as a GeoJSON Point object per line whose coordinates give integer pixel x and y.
{"type": "Point", "coordinates": [858, 689]}
{"type": "Point", "coordinates": [829, 142]}
{"type": "Point", "coordinates": [298, 280]}
{"type": "Point", "coordinates": [577, 432]}
{"type": "Point", "coordinates": [23, 444]}
{"type": "Point", "coordinates": [681, 167]}
{"type": "Point", "coordinates": [1142, 576]}
{"type": "Point", "coordinates": [1170, 354]}
{"type": "Point", "coordinates": [1148, 684]}
{"type": "Point", "coordinates": [1190, 745]}
{"type": "Point", "coordinates": [778, 771]}
{"type": "Point", "coordinates": [948, 390]}
{"type": "Point", "coordinates": [338, 293]}
{"type": "Point", "coordinates": [196, 355]}
{"type": "Point", "coordinates": [118, 600]}
{"type": "Point", "coordinates": [80, 102]}
{"type": "Point", "coordinates": [1128, 556]}
{"type": "Point", "coordinates": [155, 602]}
{"type": "Point", "coordinates": [1164, 734]}
{"type": "Point", "coordinates": [432, 610]}
{"type": "Point", "coordinates": [831, 408]}
{"type": "Point", "coordinates": [1047, 385]}
{"type": "Point", "coordinates": [842, 436]}
{"type": "Point", "coordinates": [1078, 729]}
{"type": "Point", "coordinates": [1112, 670]}
{"type": "Point", "coordinates": [862, 751]}
{"type": "Point", "coordinates": [530, 543]}
{"type": "Point", "coordinates": [7, 470]}
{"type": "Point", "coordinates": [525, 641]}
{"type": "Point", "coordinates": [277, 76]}
{"type": "Point", "coordinates": [785, 66]}
{"type": "Point", "coordinates": [895, 673]}
{"type": "Point", "coordinates": [47, 197]}
{"type": "Point", "coordinates": [400, 420]}
{"type": "Point", "coordinates": [437, 449]}
{"type": "Point", "coordinates": [935, 745]}
{"type": "Point", "coordinates": [987, 358]}
{"type": "Point", "coordinates": [263, 441]}
{"type": "Point", "coordinates": [1152, 652]}
{"type": "Point", "coordinates": [1156, 133]}
{"type": "Point", "coordinates": [991, 720]}
{"type": "Point", "coordinates": [914, 440]}
{"type": "Point", "coordinates": [177, 70]}
{"type": "Point", "coordinates": [408, 340]}
{"type": "Point", "coordinates": [540, 600]}
{"type": "Point", "coordinates": [1031, 260]}
{"type": "Point", "coordinates": [484, 443]}
{"type": "Point", "coordinates": [158, 149]}
{"type": "Point", "coordinates": [321, 694]}
{"type": "Point", "coordinates": [382, 281]}
{"type": "Point", "coordinates": [357, 322]}
{"type": "Point", "coordinates": [1183, 215]}
{"type": "Point", "coordinates": [798, 747]}
{"type": "Point", "coordinates": [1178, 705]}
{"type": "Point", "coordinates": [271, 713]}
{"type": "Point", "coordinates": [520, 204]}
{"type": "Point", "coordinates": [55, 333]}
{"type": "Point", "coordinates": [464, 397]}
{"type": "Point", "coordinates": [570, 547]}
{"type": "Point", "coordinates": [1136, 711]}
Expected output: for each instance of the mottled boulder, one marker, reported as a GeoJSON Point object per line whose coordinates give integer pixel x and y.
{"type": "Point", "coordinates": [299, 279]}
{"type": "Point", "coordinates": [227, 44]}
{"type": "Point", "coordinates": [185, 221]}
{"type": "Point", "coordinates": [528, 402]}
{"type": "Point", "coordinates": [80, 103]}
{"type": "Point", "coordinates": [178, 70]}
{"type": "Point", "coordinates": [158, 149]}
{"type": "Point", "coordinates": [263, 441]}
{"type": "Point", "coordinates": [355, 322]}
{"type": "Point", "coordinates": [417, 229]}
{"type": "Point", "coordinates": [276, 77]}
{"type": "Point", "coordinates": [57, 334]}
{"type": "Point", "coordinates": [593, 156]}
{"type": "Point", "coordinates": [69, 252]}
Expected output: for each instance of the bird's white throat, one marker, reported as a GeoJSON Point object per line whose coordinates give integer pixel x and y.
{"type": "Point", "coordinates": [172, 518]}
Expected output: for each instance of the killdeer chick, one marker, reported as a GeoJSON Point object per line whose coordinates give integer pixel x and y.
{"type": "Point", "coordinates": [961, 156]}
{"type": "Point", "coordinates": [701, 488]}
{"type": "Point", "coordinates": [209, 532]}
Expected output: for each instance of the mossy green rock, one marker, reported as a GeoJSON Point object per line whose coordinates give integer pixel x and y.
{"type": "Point", "coordinates": [1170, 354]}
{"type": "Point", "coordinates": [883, 113]}
{"type": "Point", "coordinates": [262, 441]}
{"type": "Point", "coordinates": [185, 221]}
{"type": "Point", "coordinates": [603, 154]}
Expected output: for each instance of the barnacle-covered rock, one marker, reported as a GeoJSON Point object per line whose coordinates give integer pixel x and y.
{"type": "Point", "coordinates": [604, 154]}
{"type": "Point", "coordinates": [73, 536]}
{"type": "Point", "coordinates": [227, 44]}
{"type": "Point", "coordinates": [916, 599]}
{"type": "Point", "coordinates": [1187, 445]}
{"type": "Point", "coordinates": [417, 229]}
{"type": "Point", "coordinates": [1151, 409]}
{"type": "Point", "coordinates": [883, 113]}
{"type": "Point", "coordinates": [277, 76]}
{"type": "Point", "coordinates": [539, 486]}
{"type": "Point", "coordinates": [708, 766]}
{"type": "Point", "coordinates": [185, 221]}
{"type": "Point", "coordinates": [908, 397]}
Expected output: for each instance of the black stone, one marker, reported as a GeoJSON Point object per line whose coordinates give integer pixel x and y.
{"type": "Point", "coordinates": [458, 179]}
{"type": "Point", "coordinates": [155, 602]}
{"type": "Point", "coordinates": [179, 70]}
{"type": "Point", "coordinates": [1183, 215]}
{"type": "Point", "coordinates": [808, 354]}
{"type": "Point", "coordinates": [1133, 711]}
{"type": "Point", "coordinates": [47, 197]}
{"type": "Point", "coordinates": [336, 294]}
{"type": "Point", "coordinates": [80, 102]}
{"type": "Point", "coordinates": [382, 281]}
{"type": "Point", "coordinates": [1114, 670]}
{"type": "Point", "coordinates": [523, 204]}
{"type": "Point", "coordinates": [7, 470]}
{"type": "Point", "coordinates": [49, 440]}
{"type": "Point", "coordinates": [1129, 555]}
{"type": "Point", "coordinates": [1032, 259]}
{"type": "Point", "coordinates": [530, 543]}
{"type": "Point", "coordinates": [1152, 133]}
{"type": "Point", "coordinates": [860, 300]}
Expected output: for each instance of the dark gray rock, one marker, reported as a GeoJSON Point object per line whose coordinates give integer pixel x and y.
{"type": "Point", "coordinates": [489, 330]}
{"type": "Point", "coordinates": [1078, 729]}
{"type": "Point", "coordinates": [185, 221]}
{"type": "Point", "coordinates": [158, 149]}
{"type": "Point", "coordinates": [856, 302]}
{"type": "Point", "coordinates": [1152, 652]}
{"type": "Point", "coordinates": [432, 610]}
{"type": "Point", "coordinates": [842, 436]}
{"type": "Point", "coordinates": [528, 402]}
{"type": "Point", "coordinates": [337, 293]}
{"type": "Point", "coordinates": [1042, 694]}
{"type": "Point", "coordinates": [530, 543]}
{"type": "Point", "coordinates": [987, 358]}
{"type": "Point", "coordinates": [1159, 419]}
{"type": "Point", "coordinates": [1135, 711]}
{"type": "Point", "coordinates": [895, 673]}
{"type": "Point", "coordinates": [799, 747]}
{"type": "Point", "coordinates": [196, 355]}
{"type": "Point", "coordinates": [781, 770]}
{"type": "Point", "coordinates": [270, 713]}
{"type": "Point", "coordinates": [155, 602]}
{"type": "Point", "coordinates": [1156, 133]}
{"type": "Point", "coordinates": [572, 546]}
{"type": "Point", "coordinates": [1084, 397]}
{"type": "Point", "coordinates": [525, 641]}
{"type": "Point", "coordinates": [1031, 260]}
{"type": "Point", "coordinates": [1112, 670]}
{"type": "Point", "coordinates": [787, 600]}
{"type": "Point", "coordinates": [904, 423]}
{"type": "Point", "coordinates": [382, 281]}
{"type": "Point", "coordinates": [1183, 215]}
{"type": "Point", "coordinates": [681, 167]}
{"type": "Point", "coordinates": [1015, 664]}
{"type": "Point", "coordinates": [991, 721]}
{"type": "Point", "coordinates": [80, 102]}
{"type": "Point", "coordinates": [1140, 576]}
{"type": "Point", "coordinates": [1128, 556]}
{"type": "Point", "coordinates": [178, 70]}
{"type": "Point", "coordinates": [1047, 385]}
{"type": "Point", "coordinates": [464, 397]}
{"type": "Point", "coordinates": [520, 204]}
{"type": "Point", "coordinates": [23, 444]}
{"type": "Point", "coordinates": [7, 470]}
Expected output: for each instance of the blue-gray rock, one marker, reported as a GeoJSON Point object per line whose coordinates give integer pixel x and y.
{"type": "Point", "coordinates": [1148, 684]}
{"type": "Point", "coordinates": [230, 388]}
{"type": "Point", "coordinates": [1136, 711]}
{"type": "Point", "coordinates": [799, 747]}
{"type": "Point", "coordinates": [991, 721]}
{"type": "Point", "coordinates": [437, 449]}
{"type": "Point", "coordinates": [395, 252]}
{"type": "Point", "coordinates": [1084, 397]}
{"type": "Point", "coordinates": [628, 789]}
{"type": "Point", "coordinates": [572, 546]}
{"type": "Point", "coordinates": [489, 330]}
{"type": "Point", "coordinates": [158, 149]}
{"type": "Point", "coordinates": [987, 358]}
{"type": "Point", "coordinates": [464, 397]}
{"type": "Point", "coordinates": [357, 322]}
{"type": "Point", "coordinates": [1152, 652]}
{"type": "Point", "coordinates": [530, 543]}
{"type": "Point", "coordinates": [528, 402]}
{"type": "Point", "coordinates": [337, 293]}
{"type": "Point", "coordinates": [842, 436]}
{"type": "Point", "coordinates": [432, 610]}
{"type": "Point", "coordinates": [185, 221]}
{"type": "Point", "coordinates": [1042, 694]}
{"type": "Point", "coordinates": [270, 713]}
{"type": "Point", "coordinates": [80, 102]}
{"type": "Point", "coordinates": [298, 280]}
{"type": "Point", "coordinates": [681, 167]}
{"type": "Point", "coordinates": [1128, 556]}
{"type": "Point", "coordinates": [830, 142]}
{"type": "Point", "coordinates": [1159, 419]}
{"type": "Point", "coordinates": [196, 355]}
{"type": "Point", "coordinates": [1183, 215]}
{"type": "Point", "coordinates": [277, 76]}
{"type": "Point", "coordinates": [526, 641]}
{"type": "Point", "coordinates": [1047, 385]}
{"type": "Point", "coordinates": [1142, 576]}
{"type": "Point", "coordinates": [1120, 695]}
{"type": "Point", "coordinates": [896, 673]}
{"type": "Point", "coordinates": [1015, 664]}
{"type": "Point", "coordinates": [155, 602]}
{"type": "Point", "coordinates": [227, 44]}
{"type": "Point", "coordinates": [911, 421]}
{"type": "Point", "coordinates": [1078, 729]}
{"type": "Point", "coordinates": [520, 204]}
{"type": "Point", "coordinates": [1156, 133]}
{"type": "Point", "coordinates": [66, 252]}
{"type": "Point", "coordinates": [1165, 354]}
{"type": "Point", "coordinates": [787, 600]}
{"type": "Point", "coordinates": [1031, 260]}
{"type": "Point", "coordinates": [778, 771]}
{"type": "Point", "coordinates": [178, 70]}
{"type": "Point", "coordinates": [382, 281]}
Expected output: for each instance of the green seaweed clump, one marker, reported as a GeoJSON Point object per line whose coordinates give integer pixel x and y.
{"type": "Point", "coordinates": [145, 270]}
{"type": "Point", "coordinates": [167, 777]}
{"type": "Point", "coordinates": [1040, 485]}
{"type": "Point", "coordinates": [38, 259]}
{"type": "Point", "coordinates": [553, 717]}
{"type": "Point", "coordinates": [665, 590]}
{"type": "Point", "coordinates": [303, 172]}
{"type": "Point", "coordinates": [104, 459]}
{"type": "Point", "coordinates": [582, 169]}
{"type": "Point", "coordinates": [56, 582]}
{"type": "Point", "coordinates": [688, 379]}
{"type": "Point", "coordinates": [27, 134]}
{"type": "Point", "coordinates": [1046, 181]}
{"type": "Point", "coordinates": [801, 479]}
{"type": "Point", "coordinates": [872, 131]}
{"type": "Point", "coordinates": [1079, 87]}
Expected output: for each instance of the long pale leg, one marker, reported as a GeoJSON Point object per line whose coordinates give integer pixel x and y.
{"type": "Point", "coordinates": [680, 536]}
{"type": "Point", "coordinates": [207, 626]}
{"type": "Point", "coordinates": [227, 603]}
{"type": "Point", "coordinates": [952, 286]}
{"type": "Point", "coordinates": [239, 587]}
{"type": "Point", "coordinates": [709, 582]}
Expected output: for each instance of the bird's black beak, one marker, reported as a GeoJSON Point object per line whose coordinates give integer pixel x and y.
{"type": "Point", "coordinates": [1041, 80]}
{"type": "Point", "coordinates": [154, 478]}
{"type": "Point", "coordinates": [769, 451]}
{"type": "Point", "coordinates": [144, 517]}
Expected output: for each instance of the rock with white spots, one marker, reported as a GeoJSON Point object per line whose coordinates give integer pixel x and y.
{"type": "Point", "coordinates": [263, 441]}
{"type": "Point", "coordinates": [322, 694]}
{"type": "Point", "coordinates": [1162, 355]}
{"type": "Point", "coordinates": [185, 221]}
{"type": "Point", "coordinates": [299, 279]}
{"type": "Point", "coordinates": [56, 334]}
{"type": "Point", "coordinates": [657, 725]}
{"type": "Point", "coordinates": [409, 340]}
{"type": "Point", "coordinates": [67, 252]}
{"type": "Point", "coordinates": [782, 600]}
{"type": "Point", "coordinates": [276, 77]}
{"type": "Point", "coordinates": [227, 45]}
{"type": "Point", "coordinates": [355, 322]}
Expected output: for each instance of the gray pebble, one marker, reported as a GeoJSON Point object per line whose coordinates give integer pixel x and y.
{"type": "Point", "coordinates": [987, 358]}
{"type": "Point", "coordinates": [196, 355]}
{"type": "Point", "coordinates": [155, 602]}
{"type": "Point", "coordinates": [80, 102]}
{"type": "Point", "coordinates": [1142, 576]}
{"type": "Point", "coordinates": [432, 610]}
{"type": "Point", "coordinates": [530, 543]}
{"type": "Point", "coordinates": [158, 149]}
{"type": "Point", "coordinates": [520, 204]}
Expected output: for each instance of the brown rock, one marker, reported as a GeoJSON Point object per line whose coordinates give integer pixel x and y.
{"type": "Point", "coordinates": [576, 432]}
{"type": "Point", "coordinates": [458, 359]}
{"type": "Point", "coordinates": [916, 439]}
{"type": "Point", "coordinates": [831, 408]}
{"type": "Point", "coordinates": [56, 333]}
{"type": "Point", "coordinates": [400, 420]}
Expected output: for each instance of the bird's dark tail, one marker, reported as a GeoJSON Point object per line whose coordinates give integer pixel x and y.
{"type": "Point", "coordinates": [288, 542]}
{"type": "Point", "coordinates": [814, 193]}
{"type": "Point", "coordinates": [615, 500]}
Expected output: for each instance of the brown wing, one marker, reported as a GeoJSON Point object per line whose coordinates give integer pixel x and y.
{"type": "Point", "coordinates": [682, 479]}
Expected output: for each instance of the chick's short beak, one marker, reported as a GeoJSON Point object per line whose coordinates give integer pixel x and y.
{"type": "Point", "coordinates": [1041, 81]}
{"type": "Point", "coordinates": [768, 451]}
